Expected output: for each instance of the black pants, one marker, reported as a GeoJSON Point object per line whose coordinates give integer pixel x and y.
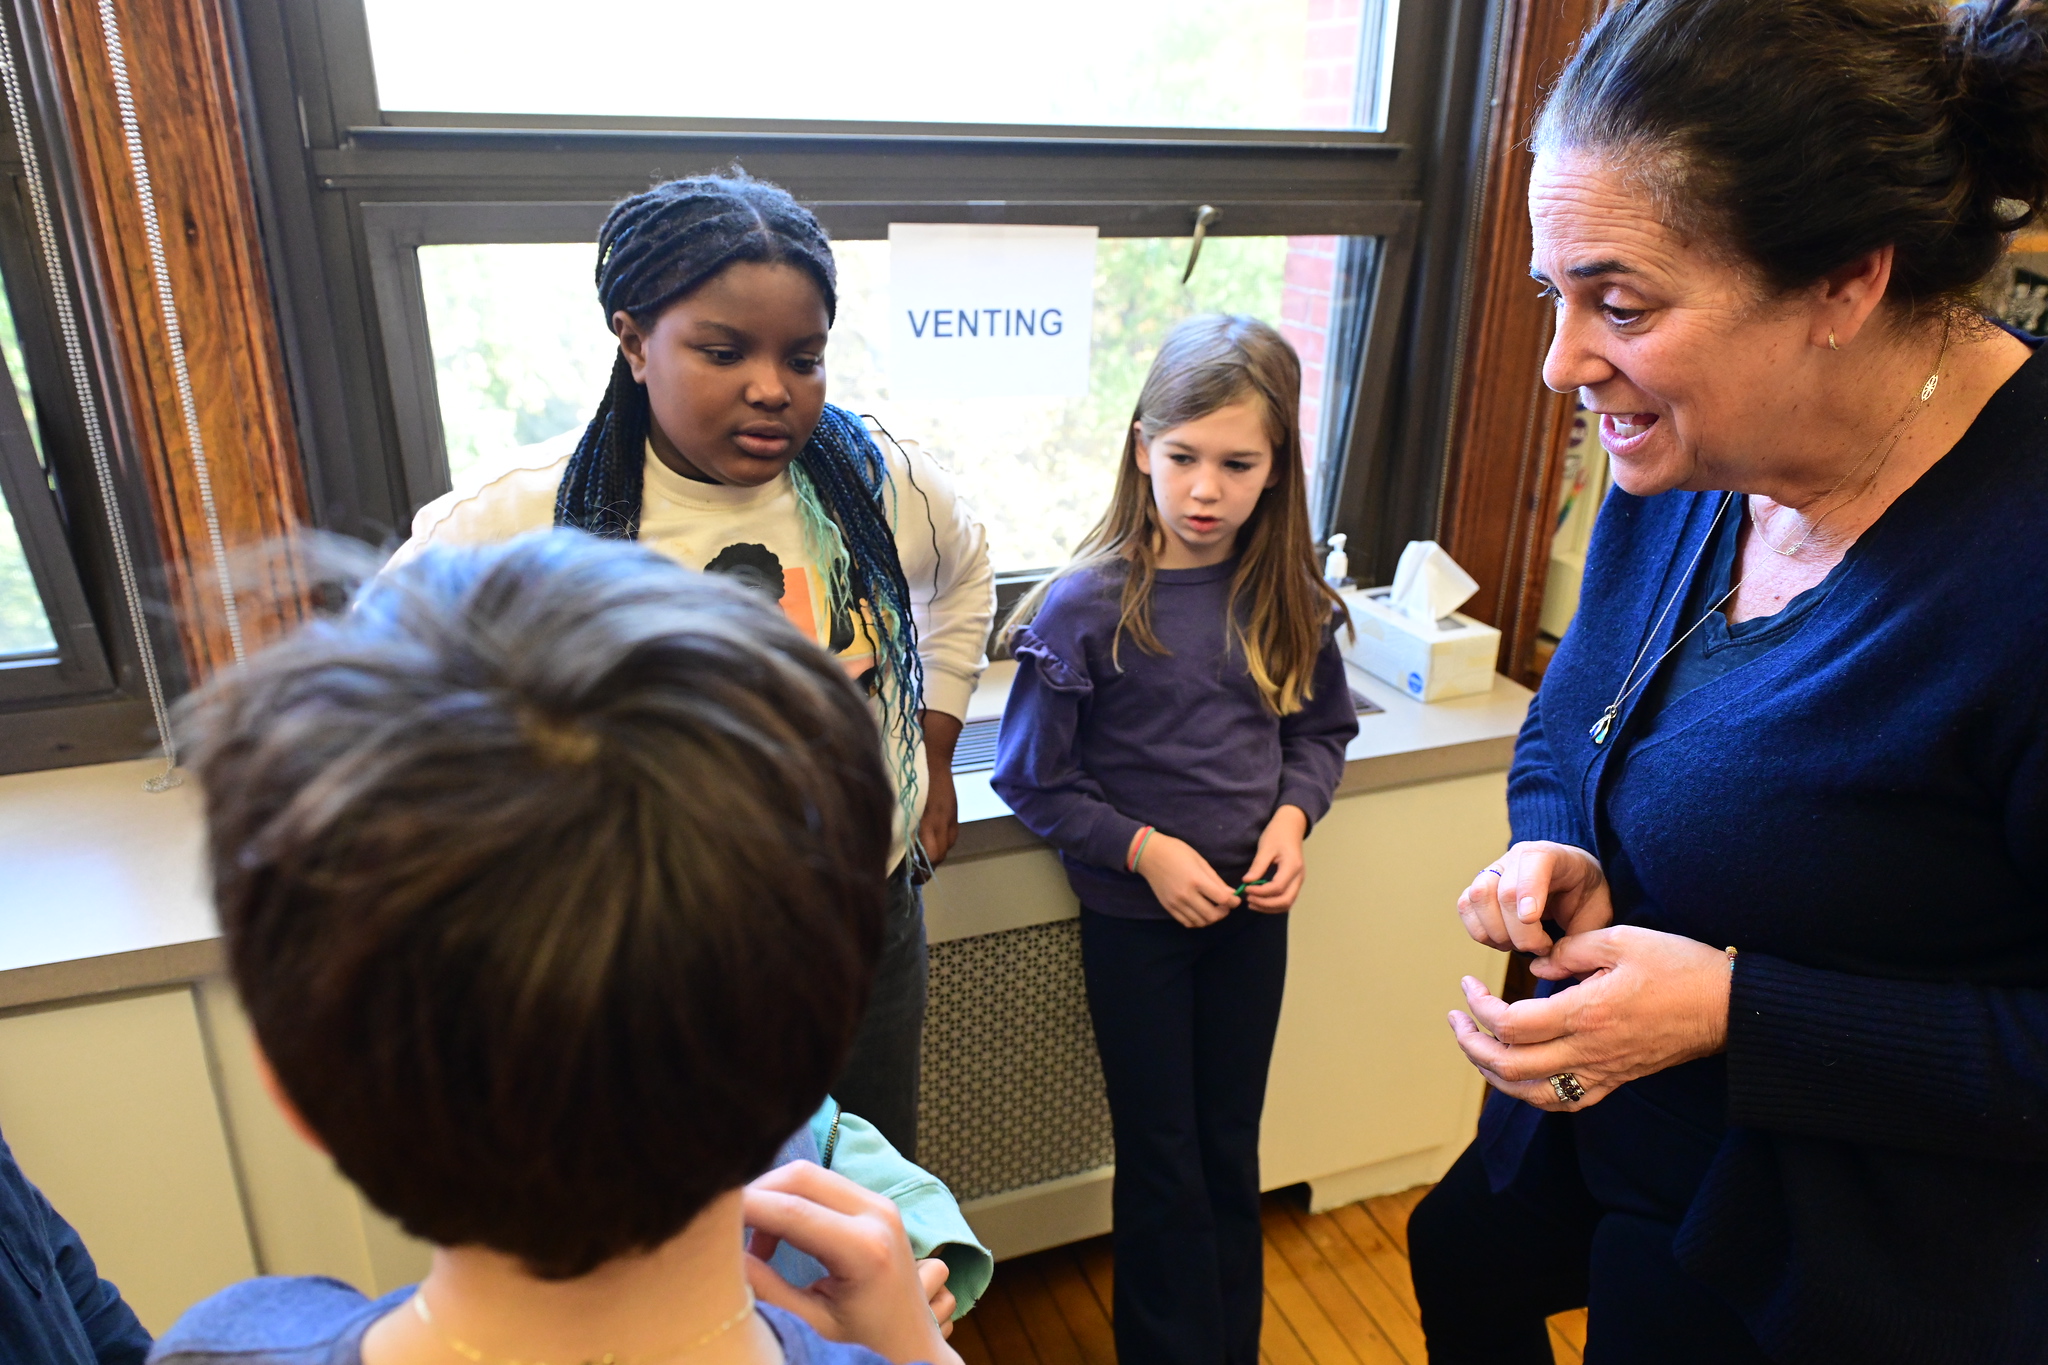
{"type": "Point", "coordinates": [880, 1079]}
{"type": "Point", "coordinates": [1586, 1222]}
{"type": "Point", "coordinates": [1184, 1020]}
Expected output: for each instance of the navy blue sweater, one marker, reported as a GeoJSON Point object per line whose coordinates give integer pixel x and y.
{"type": "Point", "coordinates": [1099, 741]}
{"type": "Point", "coordinates": [1863, 812]}
{"type": "Point", "coordinates": [54, 1307]}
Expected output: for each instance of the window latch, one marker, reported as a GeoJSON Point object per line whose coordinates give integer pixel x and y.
{"type": "Point", "coordinates": [1204, 216]}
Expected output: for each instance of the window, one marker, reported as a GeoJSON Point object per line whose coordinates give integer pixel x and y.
{"type": "Point", "coordinates": [520, 353]}
{"type": "Point", "coordinates": [61, 668]}
{"type": "Point", "coordinates": [1582, 483]}
{"type": "Point", "coordinates": [24, 621]}
{"type": "Point", "coordinates": [434, 183]}
{"type": "Point", "coordinates": [50, 647]}
{"type": "Point", "coordinates": [1136, 63]}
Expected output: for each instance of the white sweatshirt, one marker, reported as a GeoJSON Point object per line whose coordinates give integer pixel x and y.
{"type": "Point", "coordinates": [757, 534]}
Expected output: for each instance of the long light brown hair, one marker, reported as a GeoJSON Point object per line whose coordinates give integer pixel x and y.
{"type": "Point", "coordinates": [1280, 605]}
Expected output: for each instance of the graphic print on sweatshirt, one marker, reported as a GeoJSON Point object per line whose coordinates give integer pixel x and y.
{"type": "Point", "coordinates": [806, 601]}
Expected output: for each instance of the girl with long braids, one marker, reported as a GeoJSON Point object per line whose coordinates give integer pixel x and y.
{"type": "Point", "coordinates": [714, 444]}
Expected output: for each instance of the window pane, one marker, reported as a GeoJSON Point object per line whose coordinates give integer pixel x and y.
{"type": "Point", "coordinates": [24, 626]}
{"type": "Point", "coordinates": [522, 353]}
{"type": "Point", "coordinates": [1582, 483]}
{"type": "Point", "coordinates": [1146, 63]}
{"type": "Point", "coordinates": [10, 351]}
{"type": "Point", "coordinates": [521, 349]}
{"type": "Point", "coordinates": [1038, 471]}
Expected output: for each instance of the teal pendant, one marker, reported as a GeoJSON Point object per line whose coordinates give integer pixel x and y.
{"type": "Point", "coordinates": [1602, 726]}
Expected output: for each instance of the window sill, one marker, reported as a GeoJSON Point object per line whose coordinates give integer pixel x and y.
{"type": "Point", "coordinates": [1405, 742]}
{"type": "Point", "coordinates": [107, 891]}
{"type": "Point", "coordinates": [99, 730]}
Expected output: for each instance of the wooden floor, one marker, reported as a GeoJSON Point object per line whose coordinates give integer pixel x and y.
{"type": "Point", "coordinates": [1337, 1293]}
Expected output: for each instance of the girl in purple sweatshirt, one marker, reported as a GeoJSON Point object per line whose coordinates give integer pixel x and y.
{"type": "Point", "coordinates": [1177, 725]}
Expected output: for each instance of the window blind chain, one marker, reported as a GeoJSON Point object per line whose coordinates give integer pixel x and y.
{"type": "Point", "coordinates": [89, 413]}
{"type": "Point", "coordinates": [160, 273]}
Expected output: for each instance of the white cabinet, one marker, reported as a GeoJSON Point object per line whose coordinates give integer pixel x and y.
{"type": "Point", "coordinates": [110, 1109]}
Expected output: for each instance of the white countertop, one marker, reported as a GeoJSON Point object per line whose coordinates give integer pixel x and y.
{"type": "Point", "coordinates": [103, 884]}
{"type": "Point", "coordinates": [94, 869]}
{"type": "Point", "coordinates": [1405, 741]}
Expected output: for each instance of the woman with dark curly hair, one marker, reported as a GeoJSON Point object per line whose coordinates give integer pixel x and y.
{"type": "Point", "coordinates": [1781, 806]}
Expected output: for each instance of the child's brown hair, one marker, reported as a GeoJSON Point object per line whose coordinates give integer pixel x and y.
{"type": "Point", "coordinates": [551, 877]}
{"type": "Point", "coordinates": [1282, 605]}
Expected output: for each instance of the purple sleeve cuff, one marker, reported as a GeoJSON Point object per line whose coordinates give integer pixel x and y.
{"type": "Point", "coordinates": [1108, 842]}
{"type": "Point", "coordinates": [1312, 797]}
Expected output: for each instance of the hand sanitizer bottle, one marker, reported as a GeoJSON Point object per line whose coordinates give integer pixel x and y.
{"type": "Point", "coordinates": [1337, 568]}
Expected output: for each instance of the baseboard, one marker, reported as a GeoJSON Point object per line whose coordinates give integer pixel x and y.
{"type": "Point", "coordinates": [1018, 1222]}
{"type": "Point", "coordinates": [1076, 1207]}
{"type": "Point", "coordinates": [1391, 1176]}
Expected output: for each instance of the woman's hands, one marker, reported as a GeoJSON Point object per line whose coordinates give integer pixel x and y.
{"type": "Point", "coordinates": [873, 1293]}
{"type": "Point", "coordinates": [1535, 880]}
{"type": "Point", "coordinates": [1278, 859]}
{"type": "Point", "coordinates": [1183, 880]}
{"type": "Point", "coordinates": [1648, 1001]}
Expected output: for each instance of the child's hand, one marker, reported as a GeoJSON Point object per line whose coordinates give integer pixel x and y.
{"type": "Point", "coordinates": [1279, 858]}
{"type": "Point", "coordinates": [1184, 882]}
{"type": "Point", "coordinates": [932, 1273]}
{"type": "Point", "coordinates": [873, 1293]}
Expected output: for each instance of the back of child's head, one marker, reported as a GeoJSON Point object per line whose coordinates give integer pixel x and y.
{"type": "Point", "coordinates": [1208, 363]}
{"type": "Point", "coordinates": [551, 878]}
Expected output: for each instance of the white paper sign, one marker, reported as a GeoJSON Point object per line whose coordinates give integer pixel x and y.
{"type": "Point", "coordinates": [989, 311]}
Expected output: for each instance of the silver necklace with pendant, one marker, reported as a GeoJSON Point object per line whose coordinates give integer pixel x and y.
{"type": "Point", "coordinates": [1604, 726]}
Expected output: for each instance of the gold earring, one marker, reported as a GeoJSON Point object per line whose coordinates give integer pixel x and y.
{"type": "Point", "coordinates": [1831, 342]}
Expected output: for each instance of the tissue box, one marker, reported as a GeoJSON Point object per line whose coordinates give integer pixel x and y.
{"type": "Point", "coordinates": [1453, 658]}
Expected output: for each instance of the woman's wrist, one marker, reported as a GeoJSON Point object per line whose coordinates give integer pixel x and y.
{"type": "Point", "coordinates": [1721, 995]}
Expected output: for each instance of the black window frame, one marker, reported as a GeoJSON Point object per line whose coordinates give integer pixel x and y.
{"type": "Point", "coordinates": [85, 700]}
{"type": "Point", "coordinates": [348, 190]}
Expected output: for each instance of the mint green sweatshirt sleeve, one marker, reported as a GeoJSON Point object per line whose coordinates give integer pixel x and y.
{"type": "Point", "coordinates": [851, 1146]}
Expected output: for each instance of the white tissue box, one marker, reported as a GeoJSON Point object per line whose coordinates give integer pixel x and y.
{"type": "Point", "coordinates": [1453, 658]}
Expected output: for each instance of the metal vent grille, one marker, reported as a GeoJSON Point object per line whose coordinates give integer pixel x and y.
{"type": "Point", "coordinates": [976, 751]}
{"type": "Point", "coordinates": [1012, 1084]}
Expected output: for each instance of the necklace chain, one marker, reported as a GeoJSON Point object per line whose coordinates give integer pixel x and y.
{"type": "Point", "coordinates": [1631, 684]}
{"type": "Point", "coordinates": [1603, 727]}
{"type": "Point", "coordinates": [477, 1357]}
{"type": "Point", "coordinates": [1887, 443]}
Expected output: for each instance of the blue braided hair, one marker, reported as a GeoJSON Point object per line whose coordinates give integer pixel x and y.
{"type": "Point", "coordinates": [655, 248]}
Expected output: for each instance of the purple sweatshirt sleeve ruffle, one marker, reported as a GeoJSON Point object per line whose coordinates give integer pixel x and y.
{"type": "Point", "coordinates": [1055, 672]}
{"type": "Point", "coordinates": [1038, 769]}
